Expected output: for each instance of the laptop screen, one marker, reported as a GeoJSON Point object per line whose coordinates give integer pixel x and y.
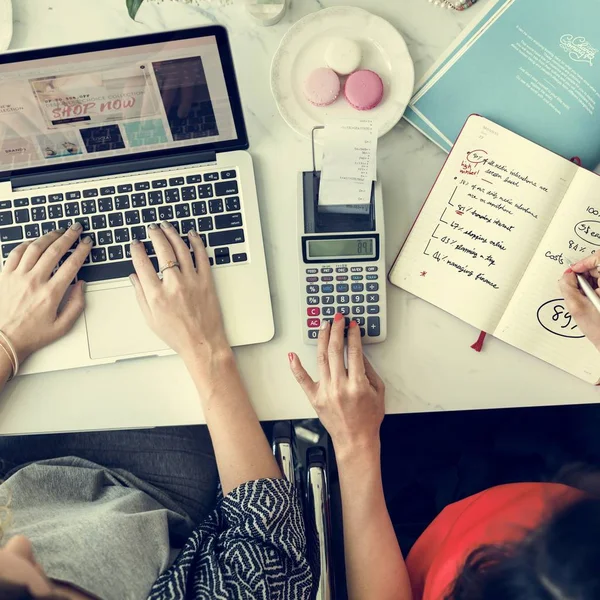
{"type": "Point", "coordinates": [114, 102]}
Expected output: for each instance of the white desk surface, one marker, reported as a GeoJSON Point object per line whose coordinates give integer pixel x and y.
{"type": "Point", "coordinates": [426, 362]}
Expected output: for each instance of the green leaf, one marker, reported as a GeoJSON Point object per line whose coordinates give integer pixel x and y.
{"type": "Point", "coordinates": [133, 6]}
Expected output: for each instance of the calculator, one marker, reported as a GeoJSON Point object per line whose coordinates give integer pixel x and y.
{"type": "Point", "coordinates": [342, 263]}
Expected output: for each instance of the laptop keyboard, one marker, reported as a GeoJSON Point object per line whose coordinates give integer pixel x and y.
{"type": "Point", "coordinates": [114, 215]}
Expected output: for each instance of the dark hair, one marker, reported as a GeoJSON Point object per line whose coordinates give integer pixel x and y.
{"type": "Point", "coordinates": [558, 561]}
{"type": "Point", "coordinates": [14, 591]}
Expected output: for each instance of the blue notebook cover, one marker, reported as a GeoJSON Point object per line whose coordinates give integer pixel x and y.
{"type": "Point", "coordinates": [530, 66]}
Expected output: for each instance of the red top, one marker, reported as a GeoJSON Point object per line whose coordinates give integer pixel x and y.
{"type": "Point", "coordinates": [501, 514]}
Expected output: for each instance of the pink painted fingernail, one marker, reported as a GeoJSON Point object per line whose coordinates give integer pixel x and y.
{"type": "Point", "coordinates": [569, 270]}
{"type": "Point", "coordinates": [291, 357]}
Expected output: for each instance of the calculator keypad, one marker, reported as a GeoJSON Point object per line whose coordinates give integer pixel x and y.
{"type": "Point", "coordinates": [350, 291]}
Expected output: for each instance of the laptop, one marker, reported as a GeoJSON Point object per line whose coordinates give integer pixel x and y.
{"type": "Point", "coordinates": [119, 134]}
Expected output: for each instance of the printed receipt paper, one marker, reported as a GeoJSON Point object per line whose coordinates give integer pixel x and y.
{"type": "Point", "coordinates": [496, 233]}
{"type": "Point", "coordinates": [349, 164]}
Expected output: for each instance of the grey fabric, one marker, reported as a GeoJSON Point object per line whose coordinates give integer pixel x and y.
{"type": "Point", "coordinates": [105, 532]}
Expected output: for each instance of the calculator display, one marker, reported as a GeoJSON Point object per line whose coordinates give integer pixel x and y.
{"type": "Point", "coordinates": [341, 248]}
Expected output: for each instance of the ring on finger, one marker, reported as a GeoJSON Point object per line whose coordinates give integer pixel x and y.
{"type": "Point", "coordinates": [170, 264]}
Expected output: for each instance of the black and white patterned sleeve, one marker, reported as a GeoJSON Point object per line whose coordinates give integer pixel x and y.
{"type": "Point", "coordinates": [253, 546]}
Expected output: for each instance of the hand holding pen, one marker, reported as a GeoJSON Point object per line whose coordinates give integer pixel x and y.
{"type": "Point", "coordinates": [579, 285]}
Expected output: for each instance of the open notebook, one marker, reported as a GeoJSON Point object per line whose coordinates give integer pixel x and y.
{"type": "Point", "coordinates": [500, 225]}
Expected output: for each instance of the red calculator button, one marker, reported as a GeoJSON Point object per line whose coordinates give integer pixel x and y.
{"type": "Point", "coordinates": [313, 311]}
{"type": "Point", "coordinates": [312, 323]}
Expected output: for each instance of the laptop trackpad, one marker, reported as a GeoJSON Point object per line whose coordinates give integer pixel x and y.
{"type": "Point", "coordinates": [116, 326]}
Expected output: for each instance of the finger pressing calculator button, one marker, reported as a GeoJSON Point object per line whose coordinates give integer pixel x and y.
{"type": "Point", "coordinates": [373, 310]}
{"type": "Point", "coordinates": [357, 287]}
{"type": "Point", "coordinates": [373, 326]}
{"type": "Point", "coordinates": [343, 310]}
{"type": "Point", "coordinates": [360, 321]}
{"type": "Point", "coordinates": [312, 279]}
{"type": "Point", "coordinates": [327, 289]}
{"type": "Point", "coordinates": [326, 270]}
{"type": "Point", "coordinates": [342, 288]}
{"type": "Point", "coordinates": [371, 269]}
{"type": "Point", "coordinates": [341, 270]}
{"type": "Point", "coordinates": [372, 298]}
{"type": "Point", "coordinates": [358, 298]}
{"type": "Point", "coordinates": [343, 299]}
{"type": "Point", "coordinates": [356, 269]}
{"type": "Point", "coordinates": [313, 334]}
{"type": "Point", "coordinates": [358, 310]}
{"type": "Point", "coordinates": [312, 323]}
{"type": "Point", "coordinates": [327, 299]}
{"type": "Point", "coordinates": [328, 311]}
{"type": "Point", "coordinates": [372, 287]}
{"type": "Point", "coordinates": [312, 271]}
{"type": "Point", "coordinates": [312, 300]}
{"type": "Point", "coordinates": [313, 311]}
{"type": "Point", "coordinates": [312, 289]}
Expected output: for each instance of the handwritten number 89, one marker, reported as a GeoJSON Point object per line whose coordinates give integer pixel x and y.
{"type": "Point", "coordinates": [559, 311]}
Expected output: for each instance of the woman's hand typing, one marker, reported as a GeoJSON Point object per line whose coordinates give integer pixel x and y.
{"type": "Point", "coordinates": [349, 402]}
{"type": "Point", "coordinates": [582, 310]}
{"type": "Point", "coordinates": [36, 307]}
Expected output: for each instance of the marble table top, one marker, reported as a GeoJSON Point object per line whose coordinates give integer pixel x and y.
{"type": "Point", "coordinates": [426, 362]}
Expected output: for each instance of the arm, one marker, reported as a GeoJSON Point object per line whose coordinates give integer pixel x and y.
{"type": "Point", "coordinates": [183, 309]}
{"type": "Point", "coordinates": [350, 404]}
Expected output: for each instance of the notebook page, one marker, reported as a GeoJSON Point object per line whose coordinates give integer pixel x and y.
{"type": "Point", "coordinates": [536, 319]}
{"type": "Point", "coordinates": [482, 222]}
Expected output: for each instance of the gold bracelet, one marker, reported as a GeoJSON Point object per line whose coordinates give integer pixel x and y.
{"type": "Point", "coordinates": [12, 365]}
{"type": "Point", "coordinates": [14, 360]}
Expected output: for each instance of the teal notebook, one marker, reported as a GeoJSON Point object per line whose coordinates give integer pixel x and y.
{"type": "Point", "coordinates": [530, 66]}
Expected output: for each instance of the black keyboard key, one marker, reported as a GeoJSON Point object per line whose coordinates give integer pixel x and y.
{"type": "Point", "coordinates": [71, 196]}
{"type": "Point", "coordinates": [99, 222]}
{"type": "Point", "coordinates": [155, 197]}
{"type": "Point", "coordinates": [199, 209]}
{"type": "Point", "coordinates": [229, 174]}
{"type": "Point", "coordinates": [48, 227]}
{"type": "Point", "coordinates": [232, 203]}
{"type": "Point", "coordinates": [205, 191]}
{"type": "Point", "coordinates": [55, 212]}
{"type": "Point", "coordinates": [115, 219]}
{"type": "Point", "coordinates": [175, 225]}
{"type": "Point", "coordinates": [188, 193]}
{"type": "Point", "coordinates": [373, 326]}
{"type": "Point", "coordinates": [226, 188]}
{"type": "Point", "coordinates": [107, 191]}
{"type": "Point", "coordinates": [105, 204]}
{"type": "Point", "coordinates": [222, 251]}
{"type": "Point", "coordinates": [122, 236]}
{"type": "Point", "coordinates": [8, 248]}
{"type": "Point", "coordinates": [85, 222]}
{"type": "Point", "coordinates": [121, 202]}
{"type": "Point", "coordinates": [132, 217]}
{"type": "Point", "coordinates": [182, 211]}
{"type": "Point", "coordinates": [92, 234]}
{"type": "Point", "coordinates": [56, 197]}
{"type": "Point", "coordinates": [22, 215]}
{"type": "Point", "coordinates": [225, 238]}
{"type": "Point", "coordinates": [211, 177]}
{"type": "Point", "coordinates": [139, 233]}
{"type": "Point", "coordinates": [223, 260]}
{"type": "Point", "coordinates": [105, 237]}
{"type": "Point", "coordinates": [165, 213]}
{"type": "Point", "coordinates": [65, 224]}
{"type": "Point", "coordinates": [88, 207]}
{"type": "Point", "coordinates": [241, 257]}
{"type": "Point", "coordinates": [115, 253]}
{"type": "Point", "coordinates": [6, 218]}
{"type": "Point", "coordinates": [10, 234]}
{"type": "Point", "coordinates": [72, 209]}
{"type": "Point", "coordinates": [142, 185]}
{"type": "Point", "coordinates": [343, 310]}
{"type": "Point", "coordinates": [187, 225]}
{"type": "Point", "coordinates": [343, 299]}
{"type": "Point", "coordinates": [110, 270]}
{"type": "Point", "coordinates": [5, 204]}
{"type": "Point", "coordinates": [20, 202]}
{"type": "Point", "coordinates": [159, 183]}
{"type": "Point", "coordinates": [206, 224]}
{"type": "Point", "coordinates": [32, 231]}
{"type": "Point", "coordinates": [372, 298]}
{"type": "Point", "coordinates": [194, 179]}
{"type": "Point", "coordinates": [38, 213]}
{"type": "Point", "coordinates": [227, 221]}
{"type": "Point", "coordinates": [203, 238]}
{"type": "Point", "coordinates": [358, 310]}
{"type": "Point", "coordinates": [373, 310]}
{"type": "Point", "coordinates": [91, 193]}
{"type": "Point", "coordinates": [149, 215]}
{"type": "Point", "coordinates": [98, 255]}
{"type": "Point", "coordinates": [176, 181]}
{"type": "Point", "coordinates": [138, 200]}
{"type": "Point", "coordinates": [41, 199]}
{"type": "Point", "coordinates": [125, 188]}
{"type": "Point", "coordinates": [372, 287]}
{"type": "Point", "coordinates": [211, 261]}
{"type": "Point", "coordinates": [215, 206]}
{"type": "Point", "coordinates": [172, 195]}
{"type": "Point", "coordinates": [149, 247]}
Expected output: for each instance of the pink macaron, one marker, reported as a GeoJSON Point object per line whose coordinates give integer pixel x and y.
{"type": "Point", "coordinates": [322, 87]}
{"type": "Point", "coordinates": [364, 89]}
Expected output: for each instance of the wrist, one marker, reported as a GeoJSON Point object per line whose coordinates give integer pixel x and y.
{"type": "Point", "coordinates": [208, 365]}
{"type": "Point", "coordinates": [357, 450]}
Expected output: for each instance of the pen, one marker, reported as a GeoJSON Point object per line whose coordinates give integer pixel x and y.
{"type": "Point", "coordinates": [588, 290]}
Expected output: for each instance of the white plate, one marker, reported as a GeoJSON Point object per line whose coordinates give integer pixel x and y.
{"type": "Point", "coordinates": [302, 49]}
{"type": "Point", "coordinates": [6, 25]}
